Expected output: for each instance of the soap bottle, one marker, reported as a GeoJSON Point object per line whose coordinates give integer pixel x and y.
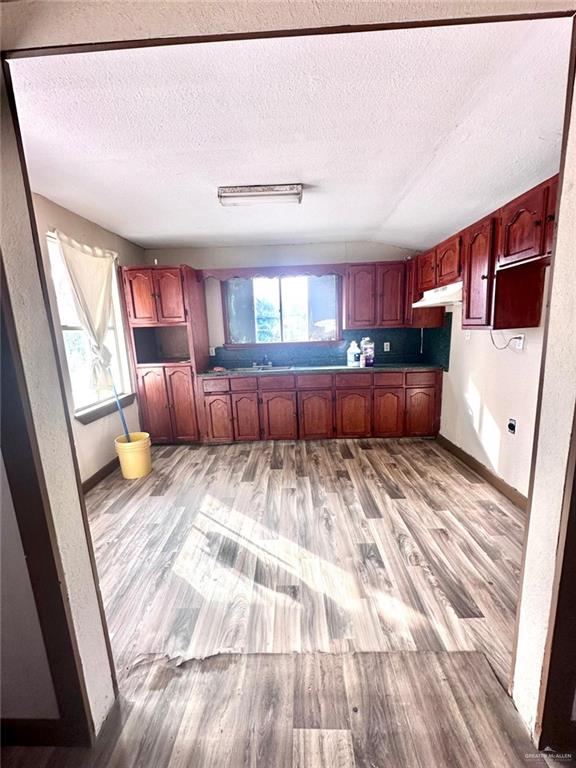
{"type": "Point", "coordinates": [353, 355]}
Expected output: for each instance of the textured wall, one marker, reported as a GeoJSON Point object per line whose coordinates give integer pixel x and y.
{"type": "Point", "coordinates": [94, 442]}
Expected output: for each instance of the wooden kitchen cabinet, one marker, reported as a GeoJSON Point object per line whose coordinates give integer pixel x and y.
{"type": "Point", "coordinates": [180, 388]}
{"type": "Point", "coordinates": [245, 416]}
{"type": "Point", "coordinates": [390, 294]}
{"type": "Point", "coordinates": [354, 413]}
{"type": "Point", "coordinates": [316, 414]}
{"type": "Point", "coordinates": [278, 415]}
{"type": "Point", "coordinates": [154, 404]}
{"type": "Point", "coordinates": [388, 418]}
{"type": "Point", "coordinates": [218, 413]}
{"type": "Point", "coordinates": [421, 317]}
{"type": "Point", "coordinates": [522, 227]}
{"type": "Point", "coordinates": [478, 274]}
{"type": "Point", "coordinates": [420, 411]}
{"type": "Point", "coordinates": [426, 271]}
{"type": "Point", "coordinates": [169, 295]}
{"type": "Point", "coordinates": [361, 296]}
{"type": "Point", "coordinates": [550, 221]}
{"type": "Point", "coordinates": [139, 294]}
{"type": "Point", "coordinates": [448, 268]}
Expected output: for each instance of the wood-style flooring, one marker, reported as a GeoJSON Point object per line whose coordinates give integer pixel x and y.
{"type": "Point", "coordinates": [333, 603]}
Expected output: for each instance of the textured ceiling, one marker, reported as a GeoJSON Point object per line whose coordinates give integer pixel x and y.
{"type": "Point", "coordinates": [399, 136]}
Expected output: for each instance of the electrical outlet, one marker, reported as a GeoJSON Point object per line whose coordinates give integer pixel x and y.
{"type": "Point", "coordinates": [512, 426]}
{"type": "Point", "coordinates": [386, 346]}
{"type": "Point", "coordinates": [211, 351]}
{"type": "Point", "coordinates": [467, 335]}
{"type": "Point", "coordinates": [519, 341]}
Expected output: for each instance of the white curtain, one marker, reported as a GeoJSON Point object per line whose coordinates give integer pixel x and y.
{"type": "Point", "coordinates": [91, 273]}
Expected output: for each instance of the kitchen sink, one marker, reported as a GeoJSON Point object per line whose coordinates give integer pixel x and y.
{"type": "Point", "coordinates": [264, 368]}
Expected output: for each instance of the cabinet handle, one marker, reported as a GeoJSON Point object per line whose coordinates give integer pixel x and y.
{"type": "Point", "coordinates": [550, 217]}
{"type": "Point", "coordinates": [483, 277]}
{"type": "Point", "coordinates": [538, 223]}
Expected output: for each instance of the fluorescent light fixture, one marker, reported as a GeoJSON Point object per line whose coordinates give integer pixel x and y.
{"type": "Point", "coordinates": [260, 193]}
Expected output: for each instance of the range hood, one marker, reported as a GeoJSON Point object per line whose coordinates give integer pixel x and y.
{"type": "Point", "coordinates": [441, 297]}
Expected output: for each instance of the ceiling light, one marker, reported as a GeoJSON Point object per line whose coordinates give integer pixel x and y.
{"type": "Point", "coordinates": [261, 193]}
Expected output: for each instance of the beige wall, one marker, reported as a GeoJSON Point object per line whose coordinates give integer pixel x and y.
{"type": "Point", "coordinates": [94, 442]}
{"type": "Point", "coordinates": [483, 389]}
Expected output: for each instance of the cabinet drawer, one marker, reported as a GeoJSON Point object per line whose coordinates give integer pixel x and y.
{"type": "Point", "coordinates": [314, 381]}
{"type": "Point", "coordinates": [392, 379]}
{"type": "Point", "coordinates": [215, 385]}
{"type": "Point", "coordinates": [354, 379]}
{"type": "Point", "coordinates": [268, 383]}
{"type": "Point", "coordinates": [420, 378]}
{"type": "Point", "coordinates": [244, 384]}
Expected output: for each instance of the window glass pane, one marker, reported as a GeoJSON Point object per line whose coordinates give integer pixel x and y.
{"type": "Point", "coordinates": [294, 308]}
{"type": "Point", "coordinates": [240, 311]}
{"type": "Point", "coordinates": [267, 309]}
{"type": "Point", "coordinates": [64, 298]}
{"type": "Point", "coordinates": [79, 359]}
{"type": "Point", "coordinates": [322, 307]}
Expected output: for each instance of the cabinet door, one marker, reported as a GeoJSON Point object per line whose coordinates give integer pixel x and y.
{"type": "Point", "coordinates": [388, 412]}
{"type": "Point", "coordinates": [427, 271]}
{"type": "Point", "coordinates": [154, 404]}
{"type": "Point", "coordinates": [182, 403]}
{"type": "Point", "coordinates": [353, 413]}
{"type": "Point", "coordinates": [245, 416]}
{"type": "Point", "coordinates": [139, 293]}
{"type": "Point", "coordinates": [421, 317]}
{"type": "Point", "coordinates": [551, 215]}
{"type": "Point", "coordinates": [279, 415]}
{"type": "Point", "coordinates": [218, 410]}
{"type": "Point", "coordinates": [448, 268]}
{"type": "Point", "coordinates": [390, 294]}
{"type": "Point", "coordinates": [361, 296]}
{"type": "Point", "coordinates": [169, 295]}
{"type": "Point", "coordinates": [478, 274]}
{"type": "Point", "coordinates": [420, 411]}
{"type": "Point", "coordinates": [316, 414]}
{"type": "Point", "coordinates": [522, 227]}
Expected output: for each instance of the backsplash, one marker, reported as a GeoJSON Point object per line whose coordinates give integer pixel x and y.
{"type": "Point", "coordinates": [404, 345]}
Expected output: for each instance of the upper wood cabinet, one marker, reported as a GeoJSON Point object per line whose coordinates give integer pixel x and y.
{"type": "Point", "coordinates": [154, 296]}
{"type": "Point", "coordinates": [478, 274]}
{"type": "Point", "coordinates": [390, 294]}
{"type": "Point", "coordinates": [522, 227]}
{"type": "Point", "coordinates": [427, 271]}
{"type": "Point", "coordinates": [550, 221]}
{"type": "Point", "coordinates": [421, 317]}
{"type": "Point", "coordinates": [448, 269]}
{"type": "Point", "coordinates": [279, 420]}
{"type": "Point", "coordinates": [361, 296]}
{"type": "Point", "coordinates": [181, 402]}
{"type": "Point", "coordinates": [154, 404]}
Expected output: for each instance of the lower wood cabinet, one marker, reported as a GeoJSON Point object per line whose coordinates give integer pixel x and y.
{"type": "Point", "coordinates": [182, 407]}
{"type": "Point", "coordinates": [219, 424]}
{"type": "Point", "coordinates": [354, 413]}
{"type": "Point", "coordinates": [245, 416]}
{"type": "Point", "coordinates": [154, 409]}
{"type": "Point", "coordinates": [167, 403]}
{"type": "Point", "coordinates": [316, 414]}
{"type": "Point", "coordinates": [278, 413]}
{"type": "Point", "coordinates": [420, 411]}
{"type": "Point", "coordinates": [389, 406]}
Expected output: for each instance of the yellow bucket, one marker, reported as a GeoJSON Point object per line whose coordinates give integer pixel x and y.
{"type": "Point", "coordinates": [135, 457]}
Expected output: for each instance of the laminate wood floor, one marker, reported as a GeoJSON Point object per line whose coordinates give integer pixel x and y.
{"type": "Point", "coordinates": [306, 604]}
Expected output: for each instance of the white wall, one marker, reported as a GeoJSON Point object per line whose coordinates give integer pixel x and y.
{"type": "Point", "coordinates": [483, 389]}
{"type": "Point", "coordinates": [94, 442]}
{"type": "Point", "coordinates": [267, 256]}
{"type": "Point", "coordinates": [23, 655]}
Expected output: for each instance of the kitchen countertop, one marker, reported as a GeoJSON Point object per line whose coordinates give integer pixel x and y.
{"type": "Point", "coordinates": [321, 369]}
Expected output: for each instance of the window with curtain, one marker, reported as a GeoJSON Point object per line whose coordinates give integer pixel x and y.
{"type": "Point", "coordinates": [291, 308]}
{"type": "Point", "coordinates": [86, 392]}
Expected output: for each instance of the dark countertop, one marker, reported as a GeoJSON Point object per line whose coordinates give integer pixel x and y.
{"type": "Point", "coordinates": [322, 369]}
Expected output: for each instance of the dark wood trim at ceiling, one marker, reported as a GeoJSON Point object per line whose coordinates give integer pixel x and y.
{"type": "Point", "coordinates": [103, 472]}
{"type": "Point", "coordinates": [115, 45]}
{"type": "Point", "coordinates": [33, 515]}
{"type": "Point", "coordinates": [501, 485]}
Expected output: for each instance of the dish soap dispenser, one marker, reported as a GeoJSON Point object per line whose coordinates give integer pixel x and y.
{"type": "Point", "coordinates": [353, 355]}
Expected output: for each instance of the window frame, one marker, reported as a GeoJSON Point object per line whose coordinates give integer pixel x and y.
{"type": "Point", "coordinates": [279, 275]}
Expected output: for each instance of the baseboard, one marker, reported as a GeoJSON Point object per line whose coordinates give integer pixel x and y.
{"type": "Point", "coordinates": [501, 485]}
{"type": "Point", "coordinates": [103, 472]}
{"type": "Point", "coordinates": [28, 732]}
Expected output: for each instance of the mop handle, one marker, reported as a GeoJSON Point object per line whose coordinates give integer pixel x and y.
{"type": "Point", "coordinates": [120, 411]}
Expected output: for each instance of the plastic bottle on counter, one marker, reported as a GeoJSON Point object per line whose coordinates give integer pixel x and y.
{"type": "Point", "coordinates": [367, 348]}
{"type": "Point", "coordinates": [353, 355]}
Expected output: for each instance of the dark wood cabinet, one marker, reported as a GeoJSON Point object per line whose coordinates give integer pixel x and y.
{"type": "Point", "coordinates": [354, 413]}
{"type": "Point", "coordinates": [388, 418]}
{"type": "Point", "coordinates": [139, 293]}
{"type": "Point", "coordinates": [181, 401]}
{"type": "Point", "coordinates": [522, 227]}
{"type": "Point", "coordinates": [316, 414]}
{"type": "Point", "coordinates": [427, 271]}
{"type": "Point", "coordinates": [245, 416]}
{"type": "Point", "coordinates": [420, 411]}
{"type": "Point", "coordinates": [218, 413]}
{"type": "Point", "coordinates": [478, 274]}
{"type": "Point", "coordinates": [519, 296]}
{"type": "Point", "coordinates": [278, 415]}
{"type": "Point", "coordinates": [448, 268]}
{"type": "Point", "coordinates": [550, 221]}
{"type": "Point", "coordinates": [361, 296]}
{"type": "Point", "coordinates": [154, 404]}
{"type": "Point", "coordinates": [421, 317]}
{"type": "Point", "coordinates": [169, 295]}
{"type": "Point", "coordinates": [390, 294]}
